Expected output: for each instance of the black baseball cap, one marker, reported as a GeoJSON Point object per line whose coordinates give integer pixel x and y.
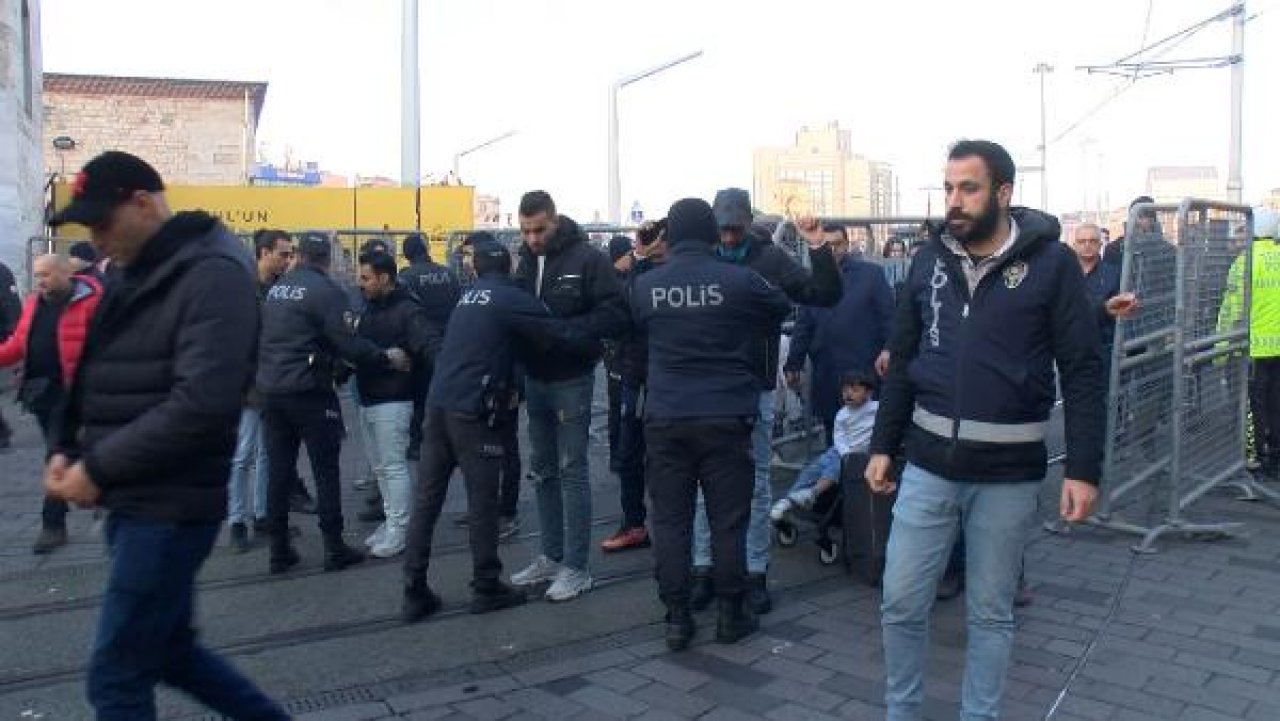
{"type": "Point", "coordinates": [314, 246]}
{"type": "Point", "coordinates": [104, 183]}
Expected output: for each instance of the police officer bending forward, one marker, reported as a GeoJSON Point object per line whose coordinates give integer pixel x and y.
{"type": "Point", "coordinates": [306, 329]}
{"type": "Point", "coordinates": [701, 316]}
{"type": "Point", "coordinates": [465, 414]}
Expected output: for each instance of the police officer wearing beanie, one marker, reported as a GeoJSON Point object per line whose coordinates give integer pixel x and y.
{"type": "Point", "coordinates": [701, 316]}
{"type": "Point", "coordinates": [466, 411]}
{"type": "Point", "coordinates": [307, 328]}
{"type": "Point", "coordinates": [436, 289]}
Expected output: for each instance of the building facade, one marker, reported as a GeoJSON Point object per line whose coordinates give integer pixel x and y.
{"type": "Point", "coordinates": [21, 181]}
{"type": "Point", "coordinates": [195, 132]}
{"type": "Point", "coordinates": [821, 175]}
{"type": "Point", "coordinates": [1171, 184]}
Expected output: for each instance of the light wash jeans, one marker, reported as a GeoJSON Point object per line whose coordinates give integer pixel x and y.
{"type": "Point", "coordinates": [386, 426]}
{"type": "Point", "coordinates": [251, 452]}
{"type": "Point", "coordinates": [926, 517]}
{"type": "Point", "coordinates": [759, 530]}
{"type": "Point", "coordinates": [559, 431]}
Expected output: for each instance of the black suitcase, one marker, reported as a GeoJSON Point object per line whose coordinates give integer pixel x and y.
{"type": "Point", "coordinates": [867, 519]}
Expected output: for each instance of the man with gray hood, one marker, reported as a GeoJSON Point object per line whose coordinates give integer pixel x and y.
{"type": "Point", "coordinates": [741, 244]}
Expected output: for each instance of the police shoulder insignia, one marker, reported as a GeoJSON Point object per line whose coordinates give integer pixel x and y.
{"type": "Point", "coordinates": [1014, 273]}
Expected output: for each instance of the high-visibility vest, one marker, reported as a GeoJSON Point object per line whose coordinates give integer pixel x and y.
{"type": "Point", "coordinates": [1264, 298]}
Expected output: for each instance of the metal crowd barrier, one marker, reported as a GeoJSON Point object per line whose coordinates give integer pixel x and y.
{"type": "Point", "coordinates": [1176, 417]}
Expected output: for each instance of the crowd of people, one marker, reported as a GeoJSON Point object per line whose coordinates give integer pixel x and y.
{"type": "Point", "coordinates": [176, 379]}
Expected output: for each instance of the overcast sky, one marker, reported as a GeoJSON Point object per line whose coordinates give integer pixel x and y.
{"type": "Point", "coordinates": [906, 77]}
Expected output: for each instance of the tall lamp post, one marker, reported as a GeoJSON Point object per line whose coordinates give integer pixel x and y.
{"type": "Point", "coordinates": [615, 176]}
{"type": "Point", "coordinates": [63, 144]}
{"type": "Point", "coordinates": [481, 146]}
{"type": "Point", "coordinates": [1043, 69]}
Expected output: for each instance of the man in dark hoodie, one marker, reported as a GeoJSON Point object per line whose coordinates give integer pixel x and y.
{"type": "Point", "coordinates": [559, 266]}
{"type": "Point", "coordinates": [990, 305]}
{"type": "Point", "coordinates": [148, 432]}
{"type": "Point", "coordinates": [742, 244]}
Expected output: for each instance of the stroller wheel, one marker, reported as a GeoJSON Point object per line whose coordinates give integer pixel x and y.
{"type": "Point", "coordinates": [788, 534]}
{"type": "Point", "coordinates": [829, 553]}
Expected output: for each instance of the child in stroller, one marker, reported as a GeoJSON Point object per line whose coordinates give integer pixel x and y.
{"type": "Point", "coordinates": [817, 486]}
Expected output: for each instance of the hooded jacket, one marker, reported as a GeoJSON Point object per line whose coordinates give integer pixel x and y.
{"type": "Point", "coordinates": [155, 405]}
{"type": "Point", "coordinates": [971, 376]}
{"type": "Point", "coordinates": [395, 321]}
{"type": "Point", "coordinates": [575, 280]}
{"type": "Point", "coordinates": [821, 287]}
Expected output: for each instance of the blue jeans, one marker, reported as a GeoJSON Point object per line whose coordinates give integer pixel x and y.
{"type": "Point", "coordinates": [996, 518]}
{"type": "Point", "coordinates": [559, 430]}
{"type": "Point", "coordinates": [386, 426]}
{"type": "Point", "coordinates": [251, 451]}
{"type": "Point", "coordinates": [826, 466]}
{"type": "Point", "coordinates": [145, 633]}
{"type": "Point", "coordinates": [759, 530]}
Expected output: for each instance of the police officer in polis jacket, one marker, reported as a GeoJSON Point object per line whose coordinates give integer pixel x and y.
{"type": "Point", "coordinates": [702, 317]}
{"type": "Point", "coordinates": [307, 328]}
{"type": "Point", "coordinates": [467, 408]}
{"type": "Point", "coordinates": [436, 289]}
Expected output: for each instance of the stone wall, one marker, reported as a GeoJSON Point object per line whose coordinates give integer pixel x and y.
{"type": "Point", "coordinates": [190, 141]}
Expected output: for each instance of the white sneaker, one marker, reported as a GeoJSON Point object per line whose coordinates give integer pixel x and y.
{"type": "Point", "coordinates": [569, 584]}
{"type": "Point", "coordinates": [542, 569]}
{"type": "Point", "coordinates": [780, 510]}
{"type": "Point", "coordinates": [376, 538]}
{"type": "Point", "coordinates": [392, 544]}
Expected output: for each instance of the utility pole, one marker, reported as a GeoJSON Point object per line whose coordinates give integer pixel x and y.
{"type": "Point", "coordinates": [1235, 183]}
{"type": "Point", "coordinates": [410, 109]}
{"type": "Point", "coordinates": [1042, 69]}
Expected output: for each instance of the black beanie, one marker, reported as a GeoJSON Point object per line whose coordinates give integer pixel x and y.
{"type": "Point", "coordinates": [692, 219]}
{"type": "Point", "coordinates": [414, 246]}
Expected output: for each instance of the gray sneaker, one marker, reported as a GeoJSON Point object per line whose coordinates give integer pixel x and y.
{"type": "Point", "coordinates": [542, 569]}
{"type": "Point", "coordinates": [569, 584]}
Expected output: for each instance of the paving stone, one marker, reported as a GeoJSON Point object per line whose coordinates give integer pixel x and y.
{"type": "Point", "coordinates": [724, 713]}
{"type": "Point", "coordinates": [573, 667]}
{"type": "Point", "coordinates": [617, 679]}
{"type": "Point", "coordinates": [1065, 648]}
{"type": "Point", "coordinates": [1263, 712]}
{"type": "Point", "coordinates": [542, 703]}
{"type": "Point", "coordinates": [608, 701]}
{"type": "Point", "coordinates": [794, 670]}
{"type": "Point", "coordinates": [721, 669]}
{"type": "Point", "coordinates": [1198, 695]}
{"type": "Point", "coordinates": [564, 686]}
{"type": "Point", "coordinates": [796, 712]}
{"type": "Point", "coordinates": [857, 710]}
{"type": "Point", "coordinates": [802, 693]}
{"type": "Point", "coordinates": [671, 674]}
{"type": "Point", "coordinates": [742, 698]}
{"type": "Point", "coordinates": [1243, 689]}
{"type": "Point", "coordinates": [354, 712]}
{"type": "Point", "coordinates": [1227, 668]}
{"type": "Point", "coordinates": [1128, 698]}
{"type": "Point", "coordinates": [487, 709]}
{"type": "Point", "coordinates": [435, 714]}
{"type": "Point", "coordinates": [1128, 714]}
{"type": "Point", "coordinates": [854, 687]}
{"type": "Point", "coordinates": [663, 697]}
{"type": "Point", "coordinates": [1071, 593]}
{"type": "Point", "coordinates": [1198, 646]}
{"type": "Point", "coordinates": [657, 714]}
{"type": "Point", "coordinates": [451, 694]}
{"type": "Point", "coordinates": [1197, 713]}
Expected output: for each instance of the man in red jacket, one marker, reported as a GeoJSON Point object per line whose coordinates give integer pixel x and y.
{"type": "Point", "coordinates": [48, 340]}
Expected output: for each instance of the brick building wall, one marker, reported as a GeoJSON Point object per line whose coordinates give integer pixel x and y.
{"type": "Point", "coordinates": [193, 132]}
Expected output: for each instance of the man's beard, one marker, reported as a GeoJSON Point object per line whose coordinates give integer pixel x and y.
{"type": "Point", "coordinates": [981, 228]}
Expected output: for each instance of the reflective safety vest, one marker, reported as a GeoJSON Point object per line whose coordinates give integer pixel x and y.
{"type": "Point", "coordinates": [1264, 298]}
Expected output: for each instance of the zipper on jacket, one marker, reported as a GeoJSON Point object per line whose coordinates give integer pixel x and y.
{"type": "Point", "coordinates": [963, 286]}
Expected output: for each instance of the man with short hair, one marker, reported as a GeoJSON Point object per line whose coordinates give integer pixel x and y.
{"type": "Point", "coordinates": [273, 251]}
{"type": "Point", "coordinates": [996, 300]}
{"type": "Point", "coordinates": [148, 432]}
{"type": "Point", "coordinates": [559, 266]}
{"type": "Point", "coordinates": [1102, 280]}
{"type": "Point", "coordinates": [48, 341]}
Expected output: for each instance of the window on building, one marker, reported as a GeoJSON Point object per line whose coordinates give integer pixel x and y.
{"type": "Point", "coordinates": [28, 91]}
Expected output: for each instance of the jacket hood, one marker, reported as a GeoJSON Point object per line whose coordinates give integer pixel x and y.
{"type": "Point", "coordinates": [189, 235]}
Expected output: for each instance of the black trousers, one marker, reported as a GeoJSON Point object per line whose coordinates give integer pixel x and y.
{"type": "Point", "coordinates": [630, 456]}
{"type": "Point", "coordinates": [1264, 404]}
{"type": "Point", "coordinates": [716, 454]}
{"type": "Point", "coordinates": [419, 410]}
{"type": "Point", "coordinates": [509, 483]}
{"type": "Point", "coordinates": [457, 440]}
{"type": "Point", "coordinates": [613, 390]}
{"type": "Point", "coordinates": [288, 421]}
{"type": "Point", "coordinates": [45, 406]}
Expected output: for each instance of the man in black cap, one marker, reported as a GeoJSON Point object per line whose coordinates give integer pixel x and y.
{"type": "Point", "coordinates": [307, 329]}
{"type": "Point", "coordinates": [435, 287]}
{"type": "Point", "coordinates": [148, 432]}
{"type": "Point", "coordinates": [742, 244]}
{"type": "Point", "coordinates": [466, 409]}
{"type": "Point", "coordinates": [701, 317]}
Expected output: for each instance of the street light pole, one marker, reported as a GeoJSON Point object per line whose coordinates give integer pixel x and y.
{"type": "Point", "coordinates": [1042, 69]}
{"type": "Point", "coordinates": [1235, 184]}
{"type": "Point", "coordinates": [410, 108]}
{"type": "Point", "coordinates": [615, 173]}
{"type": "Point", "coordinates": [491, 141]}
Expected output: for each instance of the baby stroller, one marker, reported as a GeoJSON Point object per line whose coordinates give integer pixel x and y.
{"type": "Point", "coordinates": [826, 514]}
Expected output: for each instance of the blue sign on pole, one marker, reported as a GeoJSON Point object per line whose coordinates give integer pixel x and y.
{"type": "Point", "coordinates": [637, 213]}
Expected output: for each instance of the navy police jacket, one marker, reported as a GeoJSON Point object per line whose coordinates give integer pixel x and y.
{"type": "Point", "coordinates": [971, 376]}
{"type": "Point", "coordinates": [494, 325]}
{"type": "Point", "coordinates": [435, 287]}
{"type": "Point", "coordinates": [307, 326]}
{"type": "Point", "coordinates": [703, 317]}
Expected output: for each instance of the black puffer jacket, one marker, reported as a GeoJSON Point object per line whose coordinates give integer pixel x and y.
{"type": "Point", "coordinates": [396, 321]}
{"type": "Point", "coordinates": [578, 281]}
{"type": "Point", "coordinates": [156, 402]}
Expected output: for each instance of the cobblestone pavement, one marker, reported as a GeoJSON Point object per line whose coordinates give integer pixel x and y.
{"type": "Point", "coordinates": [1194, 637]}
